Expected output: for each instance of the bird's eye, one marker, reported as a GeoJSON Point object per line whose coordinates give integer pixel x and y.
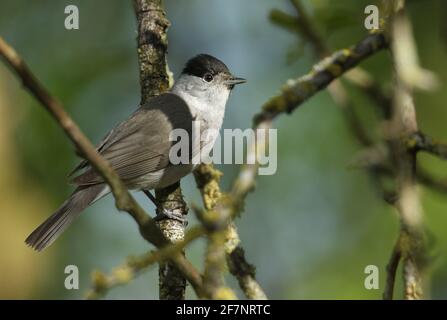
{"type": "Point", "coordinates": [208, 77]}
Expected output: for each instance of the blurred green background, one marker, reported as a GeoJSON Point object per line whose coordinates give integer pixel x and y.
{"type": "Point", "coordinates": [310, 229]}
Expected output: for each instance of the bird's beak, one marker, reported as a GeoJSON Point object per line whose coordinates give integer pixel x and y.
{"type": "Point", "coordinates": [234, 80]}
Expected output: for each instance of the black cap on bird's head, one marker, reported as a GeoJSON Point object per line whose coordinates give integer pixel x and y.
{"type": "Point", "coordinates": [207, 67]}
{"type": "Point", "coordinates": [204, 63]}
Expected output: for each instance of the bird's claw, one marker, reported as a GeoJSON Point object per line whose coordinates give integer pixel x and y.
{"type": "Point", "coordinates": [170, 214]}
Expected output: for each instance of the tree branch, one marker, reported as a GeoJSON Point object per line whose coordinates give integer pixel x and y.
{"type": "Point", "coordinates": [404, 125]}
{"type": "Point", "coordinates": [152, 41]}
{"type": "Point", "coordinates": [172, 284]}
{"type": "Point", "coordinates": [155, 78]}
{"type": "Point", "coordinates": [134, 266]}
{"type": "Point", "coordinates": [421, 142]}
{"type": "Point", "coordinates": [245, 273]}
{"type": "Point", "coordinates": [439, 185]}
{"type": "Point", "coordinates": [207, 179]}
{"type": "Point", "coordinates": [295, 92]}
{"type": "Point", "coordinates": [391, 270]}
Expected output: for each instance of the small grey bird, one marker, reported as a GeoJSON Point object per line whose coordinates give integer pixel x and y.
{"type": "Point", "coordinates": [138, 148]}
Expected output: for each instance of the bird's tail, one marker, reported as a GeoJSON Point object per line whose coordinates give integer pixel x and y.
{"type": "Point", "coordinates": [45, 234]}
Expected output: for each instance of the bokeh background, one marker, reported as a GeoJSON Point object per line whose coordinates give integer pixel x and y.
{"type": "Point", "coordinates": [310, 229]}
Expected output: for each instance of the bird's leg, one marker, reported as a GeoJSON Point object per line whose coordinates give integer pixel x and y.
{"type": "Point", "coordinates": [151, 197]}
{"type": "Point", "coordinates": [164, 213]}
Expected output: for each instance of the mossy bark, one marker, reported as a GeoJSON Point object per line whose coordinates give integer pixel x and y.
{"type": "Point", "coordinates": [155, 78]}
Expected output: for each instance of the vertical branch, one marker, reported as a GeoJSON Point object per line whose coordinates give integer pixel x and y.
{"type": "Point", "coordinates": [207, 179]}
{"type": "Point", "coordinates": [152, 41]}
{"type": "Point", "coordinates": [172, 284]}
{"type": "Point", "coordinates": [215, 265]}
{"type": "Point", "coordinates": [155, 79]}
{"type": "Point", "coordinates": [404, 125]}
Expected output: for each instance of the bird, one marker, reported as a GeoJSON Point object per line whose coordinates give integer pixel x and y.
{"type": "Point", "coordinates": [139, 147]}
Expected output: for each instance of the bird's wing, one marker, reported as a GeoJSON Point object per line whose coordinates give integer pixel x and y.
{"type": "Point", "coordinates": [141, 144]}
{"type": "Point", "coordinates": [84, 163]}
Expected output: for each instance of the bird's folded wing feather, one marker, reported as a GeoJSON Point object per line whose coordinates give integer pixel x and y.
{"type": "Point", "coordinates": [140, 145]}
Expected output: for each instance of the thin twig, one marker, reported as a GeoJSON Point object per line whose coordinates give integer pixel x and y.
{"type": "Point", "coordinates": [425, 178]}
{"type": "Point", "coordinates": [134, 266]}
{"type": "Point", "coordinates": [421, 142]}
{"type": "Point", "coordinates": [391, 270]}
